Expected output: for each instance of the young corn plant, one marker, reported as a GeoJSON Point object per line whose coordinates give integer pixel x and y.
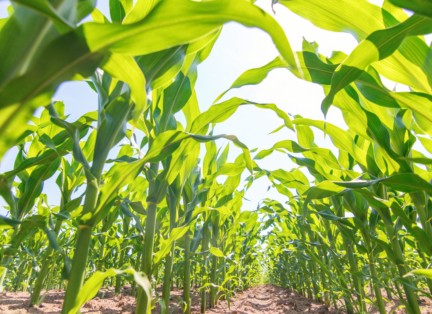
{"type": "Point", "coordinates": [135, 194]}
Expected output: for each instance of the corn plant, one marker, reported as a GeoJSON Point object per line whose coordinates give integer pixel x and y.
{"type": "Point", "coordinates": [149, 199]}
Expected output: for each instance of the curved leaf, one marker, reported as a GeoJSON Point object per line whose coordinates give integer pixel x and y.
{"type": "Point", "coordinates": [377, 46]}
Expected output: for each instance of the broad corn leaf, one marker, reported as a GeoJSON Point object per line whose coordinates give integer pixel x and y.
{"type": "Point", "coordinates": [94, 283]}
{"type": "Point", "coordinates": [216, 252]}
{"type": "Point", "coordinates": [188, 22]}
{"type": "Point", "coordinates": [7, 223]}
{"type": "Point", "coordinates": [423, 7]}
{"type": "Point", "coordinates": [377, 46]}
{"type": "Point", "coordinates": [361, 18]}
{"type": "Point", "coordinates": [166, 245]}
{"type": "Point", "coordinates": [420, 272]}
{"type": "Point", "coordinates": [127, 70]}
{"type": "Point", "coordinates": [81, 51]}
{"type": "Point", "coordinates": [222, 111]}
{"type": "Point", "coordinates": [313, 69]}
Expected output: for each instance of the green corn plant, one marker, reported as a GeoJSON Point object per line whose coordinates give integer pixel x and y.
{"type": "Point", "coordinates": [356, 216]}
{"type": "Point", "coordinates": [71, 178]}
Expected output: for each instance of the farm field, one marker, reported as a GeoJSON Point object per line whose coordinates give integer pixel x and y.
{"type": "Point", "coordinates": [302, 183]}
{"type": "Point", "coordinates": [259, 299]}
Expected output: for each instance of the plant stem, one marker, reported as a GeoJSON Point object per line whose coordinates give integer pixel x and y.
{"type": "Point", "coordinates": [77, 273]}
{"type": "Point", "coordinates": [187, 272]}
{"type": "Point", "coordinates": [143, 303]}
{"type": "Point", "coordinates": [172, 204]}
{"type": "Point", "coordinates": [44, 270]}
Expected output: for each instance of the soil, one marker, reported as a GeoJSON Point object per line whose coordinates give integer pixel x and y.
{"type": "Point", "coordinates": [267, 299]}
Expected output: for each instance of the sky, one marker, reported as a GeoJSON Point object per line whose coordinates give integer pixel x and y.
{"type": "Point", "coordinates": [238, 49]}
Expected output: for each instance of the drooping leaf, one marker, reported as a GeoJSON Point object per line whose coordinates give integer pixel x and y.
{"type": "Point", "coordinates": [419, 6]}
{"type": "Point", "coordinates": [377, 46]}
{"type": "Point", "coordinates": [7, 223]}
{"type": "Point", "coordinates": [92, 286]}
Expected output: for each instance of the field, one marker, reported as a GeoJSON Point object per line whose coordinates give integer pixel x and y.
{"type": "Point", "coordinates": [259, 299]}
{"type": "Point", "coordinates": [142, 191]}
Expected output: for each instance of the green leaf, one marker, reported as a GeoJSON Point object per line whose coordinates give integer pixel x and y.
{"type": "Point", "coordinates": [420, 272]}
{"type": "Point", "coordinates": [255, 76]}
{"type": "Point", "coordinates": [7, 223]}
{"type": "Point", "coordinates": [175, 98]}
{"type": "Point", "coordinates": [110, 131]}
{"type": "Point", "coordinates": [418, 6]}
{"type": "Point", "coordinates": [52, 238]}
{"type": "Point", "coordinates": [127, 70]}
{"type": "Point", "coordinates": [340, 138]}
{"type": "Point", "coordinates": [161, 67]}
{"type": "Point", "coordinates": [377, 46]}
{"type": "Point", "coordinates": [313, 69]}
{"type": "Point", "coordinates": [222, 111]}
{"type": "Point", "coordinates": [122, 174]}
{"type": "Point", "coordinates": [288, 145]}
{"type": "Point", "coordinates": [329, 215]}
{"type": "Point", "coordinates": [138, 208]}
{"type": "Point", "coordinates": [361, 18]}
{"type": "Point", "coordinates": [166, 245]}
{"type": "Point", "coordinates": [190, 21]}
{"type": "Point", "coordinates": [403, 182]}
{"type": "Point", "coordinates": [30, 83]}
{"type": "Point", "coordinates": [45, 8]}
{"type": "Point", "coordinates": [117, 12]}
{"type": "Point", "coordinates": [23, 94]}
{"type": "Point", "coordinates": [140, 10]}
{"type": "Point", "coordinates": [95, 282]}
{"type": "Point", "coordinates": [118, 176]}
{"type": "Point", "coordinates": [216, 252]}
{"type": "Point", "coordinates": [323, 190]}
{"type": "Point", "coordinates": [34, 184]}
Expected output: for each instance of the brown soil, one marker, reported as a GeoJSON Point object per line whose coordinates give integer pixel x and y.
{"type": "Point", "coordinates": [261, 299]}
{"type": "Point", "coordinates": [271, 299]}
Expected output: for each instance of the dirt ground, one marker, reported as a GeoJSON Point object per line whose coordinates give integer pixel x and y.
{"type": "Point", "coordinates": [267, 299]}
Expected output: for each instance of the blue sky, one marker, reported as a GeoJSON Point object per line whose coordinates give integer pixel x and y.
{"type": "Point", "coordinates": [237, 50]}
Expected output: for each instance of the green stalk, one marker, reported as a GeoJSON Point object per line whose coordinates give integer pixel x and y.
{"type": "Point", "coordinates": [102, 252]}
{"type": "Point", "coordinates": [413, 306]}
{"type": "Point", "coordinates": [187, 274]}
{"type": "Point", "coordinates": [348, 243]}
{"type": "Point", "coordinates": [338, 266]}
{"type": "Point", "coordinates": [375, 281]}
{"type": "Point", "coordinates": [137, 264]}
{"type": "Point", "coordinates": [166, 287]}
{"type": "Point", "coordinates": [408, 284]}
{"type": "Point", "coordinates": [356, 280]}
{"type": "Point", "coordinates": [307, 280]}
{"type": "Point", "coordinates": [119, 279]}
{"type": "Point", "coordinates": [46, 264]}
{"type": "Point", "coordinates": [3, 273]}
{"type": "Point", "coordinates": [376, 287]}
{"type": "Point", "coordinates": [421, 200]}
{"type": "Point", "coordinates": [214, 261]}
{"type": "Point", "coordinates": [396, 284]}
{"type": "Point", "coordinates": [19, 278]}
{"type": "Point", "coordinates": [173, 201]}
{"type": "Point", "coordinates": [143, 303]}
{"type": "Point", "coordinates": [424, 263]}
{"type": "Point", "coordinates": [77, 273]}
{"type": "Point", "coordinates": [213, 278]}
{"type": "Point", "coordinates": [7, 259]}
{"type": "Point", "coordinates": [205, 247]}
{"type": "Point", "coordinates": [107, 129]}
{"type": "Point", "coordinates": [312, 270]}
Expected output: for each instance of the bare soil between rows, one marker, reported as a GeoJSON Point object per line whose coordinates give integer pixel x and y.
{"type": "Point", "coordinates": [267, 299]}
